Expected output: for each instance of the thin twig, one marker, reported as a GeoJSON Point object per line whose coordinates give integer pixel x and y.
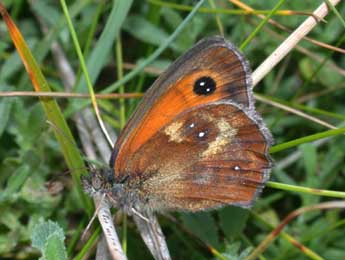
{"type": "Point", "coordinates": [149, 69]}
{"type": "Point", "coordinates": [314, 95]}
{"type": "Point", "coordinates": [68, 95]}
{"type": "Point", "coordinates": [295, 111]}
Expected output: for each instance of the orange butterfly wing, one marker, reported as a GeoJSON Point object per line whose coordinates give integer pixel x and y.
{"type": "Point", "coordinates": [172, 93]}
{"type": "Point", "coordinates": [160, 155]}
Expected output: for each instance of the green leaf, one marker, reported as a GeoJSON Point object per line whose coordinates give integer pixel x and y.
{"type": "Point", "coordinates": [306, 68]}
{"type": "Point", "coordinates": [29, 127]}
{"type": "Point", "coordinates": [10, 220]}
{"type": "Point", "coordinates": [5, 110]}
{"type": "Point", "coordinates": [233, 220]}
{"type": "Point", "coordinates": [193, 29]}
{"type": "Point", "coordinates": [327, 76]}
{"type": "Point", "coordinates": [11, 65]}
{"type": "Point", "coordinates": [309, 158]}
{"type": "Point", "coordinates": [47, 11]}
{"type": "Point", "coordinates": [208, 232]}
{"type": "Point", "coordinates": [332, 160]}
{"type": "Point", "coordinates": [55, 248]}
{"type": "Point", "coordinates": [232, 251]}
{"type": "Point", "coordinates": [171, 17]}
{"type": "Point", "coordinates": [17, 179]}
{"type": "Point", "coordinates": [43, 231]}
{"type": "Point", "coordinates": [100, 54]}
{"type": "Point", "coordinates": [6, 244]}
{"type": "Point", "coordinates": [145, 31]}
{"type": "Point", "coordinates": [311, 180]}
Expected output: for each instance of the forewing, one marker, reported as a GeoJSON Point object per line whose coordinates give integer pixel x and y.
{"type": "Point", "coordinates": [206, 157]}
{"type": "Point", "coordinates": [173, 93]}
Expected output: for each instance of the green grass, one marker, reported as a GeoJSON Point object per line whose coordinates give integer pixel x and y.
{"type": "Point", "coordinates": [36, 185]}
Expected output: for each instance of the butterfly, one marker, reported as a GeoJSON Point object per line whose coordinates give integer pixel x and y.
{"type": "Point", "coordinates": [195, 141]}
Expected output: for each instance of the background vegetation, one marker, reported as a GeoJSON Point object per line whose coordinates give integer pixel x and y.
{"type": "Point", "coordinates": [33, 180]}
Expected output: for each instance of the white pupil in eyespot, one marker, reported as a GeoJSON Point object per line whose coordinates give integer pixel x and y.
{"type": "Point", "coordinates": [202, 83]}
{"type": "Point", "coordinates": [208, 90]}
{"type": "Point", "coordinates": [201, 134]}
{"type": "Point", "coordinates": [191, 125]}
{"type": "Point", "coordinates": [237, 168]}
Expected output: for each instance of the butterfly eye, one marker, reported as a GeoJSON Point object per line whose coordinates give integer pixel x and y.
{"type": "Point", "coordinates": [96, 182]}
{"type": "Point", "coordinates": [204, 86]}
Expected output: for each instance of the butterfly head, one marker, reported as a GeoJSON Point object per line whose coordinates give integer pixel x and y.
{"type": "Point", "coordinates": [118, 194]}
{"type": "Point", "coordinates": [98, 182]}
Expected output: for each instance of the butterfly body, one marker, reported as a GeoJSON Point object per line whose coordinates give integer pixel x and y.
{"type": "Point", "coordinates": [195, 142]}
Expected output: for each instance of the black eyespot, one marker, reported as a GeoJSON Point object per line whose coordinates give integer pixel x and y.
{"type": "Point", "coordinates": [204, 86]}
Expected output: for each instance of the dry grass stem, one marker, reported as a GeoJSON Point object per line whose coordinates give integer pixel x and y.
{"type": "Point", "coordinates": [106, 221]}
{"type": "Point", "coordinates": [153, 236]}
{"type": "Point", "coordinates": [295, 111]}
{"type": "Point", "coordinates": [68, 95]}
{"type": "Point", "coordinates": [290, 42]}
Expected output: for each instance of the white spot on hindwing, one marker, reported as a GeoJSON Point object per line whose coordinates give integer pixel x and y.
{"type": "Point", "coordinates": [201, 134]}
